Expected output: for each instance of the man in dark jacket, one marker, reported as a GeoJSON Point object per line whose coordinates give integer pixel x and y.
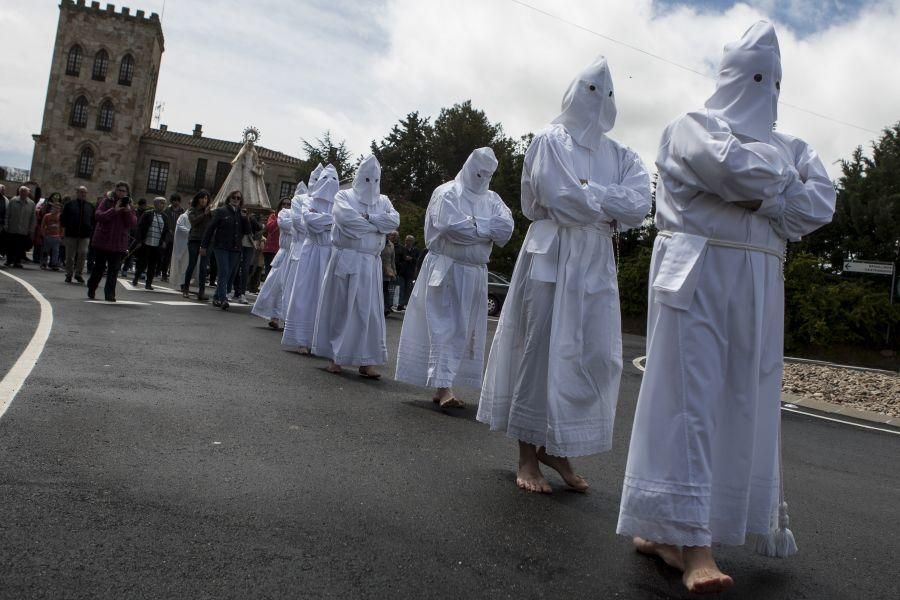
{"type": "Point", "coordinates": [77, 222]}
{"type": "Point", "coordinates": [224, 234]}
{"type": "Point", "coordinates": [153, 231]}
{"type": "Point", "coordinates": [407, 257]}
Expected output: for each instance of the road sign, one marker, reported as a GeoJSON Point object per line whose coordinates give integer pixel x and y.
{"type": "Point", "coordinates": [872, 268]}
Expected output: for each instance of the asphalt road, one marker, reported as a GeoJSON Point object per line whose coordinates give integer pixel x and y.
{"type": "Point", "coordinates": [171, 451]}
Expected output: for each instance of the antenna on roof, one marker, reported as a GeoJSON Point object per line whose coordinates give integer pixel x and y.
{"type": "Point", "coordinates": [158, 111]}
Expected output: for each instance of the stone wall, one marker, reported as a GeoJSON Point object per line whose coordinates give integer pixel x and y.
{"type": "Point", "coordinates": [59, 145]}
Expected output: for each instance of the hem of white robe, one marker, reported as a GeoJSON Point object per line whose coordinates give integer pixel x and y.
{"type": "Point", "coordinates": [295, 337]}
{"type": "Point", "coordinates": [668, 513]}
{"type": "Point", "coordinates": [569, 448]}
{"type": "Point", "coordinates": [360, 361]}
{"type": "Point", "coordinates": [420, 378]}
{"type": "Point", "coordinates": [413, 367]}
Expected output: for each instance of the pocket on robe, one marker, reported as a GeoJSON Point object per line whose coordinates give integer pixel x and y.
{"type": "Point", "coordinates": [542, 243]}
{"type": "Point", "coordinates": [679, 269]}
{"type": "Point", "coordinates": [346, 263]}
{"type": "Point", "coordinates": [602, 277]}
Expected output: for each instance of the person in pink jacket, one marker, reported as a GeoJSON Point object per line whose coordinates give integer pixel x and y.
{"type": "Point", "coordinates": [114, 217]}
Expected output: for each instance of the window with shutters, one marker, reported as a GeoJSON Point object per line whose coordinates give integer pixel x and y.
{"type": "Point", "coordinates": [73, 61]}
{"type": "Point", "coordinates": [105, 116]}
{"type": "Point", "coordinates": [101, 65]}
{"type": "Point", "coordinates": [287, 190]}
{"type": "Point", "coordinates": [200, 175]}
{"type": "Point", "coordinates": [158, 177]}
{"type": "Point", "coordinates": [79, 112]}
{"type": "Point", "coordinates": [222, 171]}
{"type": "Point", "coordinates": [126, 70]}
{"type": "Point", "coordinates": [85, 164]}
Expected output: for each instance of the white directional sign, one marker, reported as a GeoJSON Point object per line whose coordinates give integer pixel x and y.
{"type": "Point", "coordinates": [872, 268]}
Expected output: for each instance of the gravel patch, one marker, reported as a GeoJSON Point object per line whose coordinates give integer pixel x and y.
{"type": "Point", "coordinates": [876, 392]}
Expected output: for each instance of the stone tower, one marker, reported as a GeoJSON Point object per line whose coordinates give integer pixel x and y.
{"type": "Point", "coordinates": [100, 97]}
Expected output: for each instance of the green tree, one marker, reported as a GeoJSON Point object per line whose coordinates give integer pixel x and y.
{"type": "Point", "coordinates": [324, 150]}
{"type": "Point", "coordinates": [408, 171]}
{"type": "Point", "coordinates": [866, 223]}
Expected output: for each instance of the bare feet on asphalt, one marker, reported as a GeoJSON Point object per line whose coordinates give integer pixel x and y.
{"type": "Point", "coordinates": [671, 555]}
{"type": "Point", "coordinates": [561, 465]}
{"type": "Point", "coordinates": [701, 573]}
{"type": "Point", "coordinates": [333, 368]}
{"type": "Point", "coordinates": [529, 476]}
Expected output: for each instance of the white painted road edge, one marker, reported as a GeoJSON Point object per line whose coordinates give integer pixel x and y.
{"type": "Point", "coordinates": [15, 378]}
{"type": "Point", "coordinates": [638, 364]}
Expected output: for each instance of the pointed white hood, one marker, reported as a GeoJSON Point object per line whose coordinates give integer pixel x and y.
{"type": "Point", "coordinates": [589, 105]}
{"type": "Point", "coordinates": [301, 189]}
{"type": "Point", "coordinates": [749, 83]}
{"type": "Point", "coordinates": [367, 183]}
{"type": "Point", "coordinates": [475, 176]}
{"type": "Point", "coordinates": [314, 176]}
{"type": "Point", "coordinates": [327, 185]}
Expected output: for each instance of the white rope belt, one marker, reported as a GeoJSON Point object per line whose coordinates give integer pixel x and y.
{"type": "Point", "coordinates": [735, 245]}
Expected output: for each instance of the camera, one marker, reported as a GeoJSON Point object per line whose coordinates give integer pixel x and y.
{"type": "Point", "coordinates": [126, 201]}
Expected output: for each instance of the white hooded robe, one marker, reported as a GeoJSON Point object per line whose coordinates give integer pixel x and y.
{"type": "Point", "coordinates": [180, 258]}
{"type": "Point", "coordinates": [445, 323]}
{"type": "Point", "coordinates": [300, 318]}
{"type": "Point", "coordinates": [703, 460]}
{"type": "Point", "coordinates": [350, 327]}
{"type": "Point", "coordinates": [552, 377]}
{"type": "Point", "coordinates": [269, 303]}
{"type": "Point", "coordinates": [298, 236]}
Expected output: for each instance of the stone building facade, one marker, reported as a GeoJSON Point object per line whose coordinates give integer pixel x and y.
{"type": "Point", "coordinates": [96, 127]}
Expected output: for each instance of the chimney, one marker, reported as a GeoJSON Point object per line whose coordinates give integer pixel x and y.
{"type": "Point", "coordinates": [163, 127]}
{"type": "Point", "coordinates": [198, 130]}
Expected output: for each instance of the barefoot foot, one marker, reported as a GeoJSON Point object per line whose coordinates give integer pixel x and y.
{"type": "Point", "coordinates": [529, 476]}
{"type": "Point", "coordinates": [333, 367]}
{"type": "Point", "coordinates": [369, 372]}
{"type": "Point", "coordinates": [303, 351]}
{"type": "Point", "coordinates": [561, 465]}
{"type": "Point", "coordinates": [671, 555]}
{"type": "Point", "coordinates": [701, 573]}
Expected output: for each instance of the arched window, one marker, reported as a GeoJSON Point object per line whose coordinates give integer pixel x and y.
{"type": "Point", "coordinates": [126, 70]}
{"type": "Point", "coordinates": [73, 61]}
{"type": "Point", "coordinates": [101, 65]}
{"type": "Point", "coordinates": [79, 112]}
{"type": "Point", "coordinates": [105, 116]}
{"type": "Point", "coordinates": [86, 163]}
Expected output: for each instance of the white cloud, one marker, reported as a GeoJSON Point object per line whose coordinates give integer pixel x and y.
{"type": "Point", "coordinates": [296, 69]}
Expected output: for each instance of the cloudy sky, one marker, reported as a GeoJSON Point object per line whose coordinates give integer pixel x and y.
{"type": "Point", "coordinates": [294, 69]}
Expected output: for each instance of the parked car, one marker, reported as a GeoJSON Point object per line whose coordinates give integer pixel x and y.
{"type": "Point", "coordinates": [498, 286]}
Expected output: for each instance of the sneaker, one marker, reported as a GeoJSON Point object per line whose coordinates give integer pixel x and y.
{"type": "Point", "coordinates": [79, 279]}
{"type": "Point", "coordinates": [149, 287]}
{"type": "Point", "coordinates": [242, 299]}
{"type": "Point", "coordinates": [68, 279]}
{"type": "Point", "coordinates": [225, 305]}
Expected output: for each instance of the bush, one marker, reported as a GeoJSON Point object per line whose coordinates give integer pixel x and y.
{"type": "Point", "coordinates": [822, 309]}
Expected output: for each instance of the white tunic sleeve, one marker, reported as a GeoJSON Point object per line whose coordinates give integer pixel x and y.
{"type": "Point", "coordinates": [351, 223]}
{"type": "Point", "coordinates": [499, 226]}
{"type": "Point", "coordinates": [550, 188]}
{"type": "Point", "coordinates": [699, 151]}
{"type": "Point", "coordinates": [387, 221]}
{"type": "Point", "coordinates": [808, 202]}
{"type": "Point", "coordinates": [628, 201]}
{"type": "Point", "coordinates": [317, 222]}
{"type": "Point", "coordinates": [446, 221]}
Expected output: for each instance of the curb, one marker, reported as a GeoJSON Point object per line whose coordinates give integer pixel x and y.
{"type": "Point", "coordinates": [844, 411]}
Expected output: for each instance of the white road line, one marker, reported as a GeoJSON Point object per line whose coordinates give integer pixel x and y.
{"type": "Point", "coordinates": [637, 363]}
{"type": "Point", "coordinates": [12, 382]}
{"type": "Point", "coordinates": [123, 302]}
{"type": "Point", "coordinates": [824, 418]}
{"type": "Point", "coordinates": [139, 288]}
{"type": "Point", "coordinates": [176, 303]}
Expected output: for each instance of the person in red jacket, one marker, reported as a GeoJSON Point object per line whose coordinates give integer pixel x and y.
{"type": "Point", "coordinates": [273, 235]}
{"type": "Point", "coordinates": [114, 217]}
